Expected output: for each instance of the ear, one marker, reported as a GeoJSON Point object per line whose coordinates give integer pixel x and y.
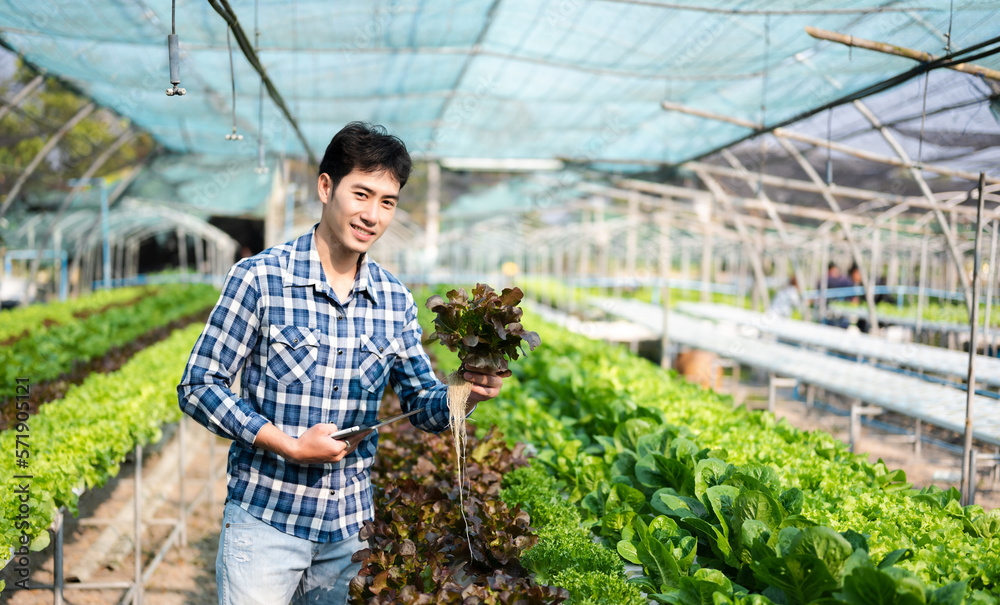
{"type": "Point", "coordinates": [324, 186]}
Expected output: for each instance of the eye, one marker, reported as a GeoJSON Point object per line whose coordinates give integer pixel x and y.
{"type": "Point", "coordinates": [360, 195]}
{"type": "Point", "coordinates": [389, 203]}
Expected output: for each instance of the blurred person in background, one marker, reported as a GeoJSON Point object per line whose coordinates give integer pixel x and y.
{"type": "Point", "coordinates": [786, 300]}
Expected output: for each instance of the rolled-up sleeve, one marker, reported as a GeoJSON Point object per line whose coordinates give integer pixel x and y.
{"type": "Point", "coordinates": [413, 378]}
{"type": "Point", "coordinates": [229, 337]}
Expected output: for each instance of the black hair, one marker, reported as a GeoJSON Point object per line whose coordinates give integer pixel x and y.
{"type": "Point", "coordinates": [367, 148]}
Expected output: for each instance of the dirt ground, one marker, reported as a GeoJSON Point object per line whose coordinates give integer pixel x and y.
{"type": "Point", "coordinates": [187, 574]}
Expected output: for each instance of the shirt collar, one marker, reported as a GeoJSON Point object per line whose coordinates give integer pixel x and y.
{"type": "Point", "coordinates": [364, 280]}
{"type": "Point", "coordinates": [306, 269]}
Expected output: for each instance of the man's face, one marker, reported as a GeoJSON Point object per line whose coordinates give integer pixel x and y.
{"type": "Point", "coordinates": [359, 210]}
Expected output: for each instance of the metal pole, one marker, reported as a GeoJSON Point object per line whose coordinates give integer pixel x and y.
{"type": "Point", "coordinates": [741, 281]}
{"type": "Point", "coordinates": [967, 480]}
{"type": "Point", "coordinates": [120, 260]}
{"type": "Point", "coordinates": [892, 277]}
{"type": "Point", "coordinates": [289, 208]}
{"type": "Point", "coordinates": [876, 259]}
{"type": "Point", "coordinates": [541, 269]}
{"type": "Point", "coordinates": [57, 561]}
{"type": "Point", "coordinates": [922, 284]}
{"type": "Point", "coordinates": [823, 278]}
{"type": "Point", "coordinates": [23, 94]}
{"type": "Point", "coordinates": [64, 277]}
{"type": "Point", "coordinates": [199, 254]}
{"type": "Point", "coordinates": [433, 226]}
{"type": "Point", "coordinates": [137, 526]}
{"type": "Point", "coordinates": [706, 256]}
{"type": "Point", "coordinates": [105, 234]}
{"type": "Point", "coordinates": [665, 287]}
{"type": "Point", "coordinates": [603, 244]}
{"type": "Point", "coordinates": [991, 271]}
{"type": "Point", "coordinates": [685, 262]}
{"type": "Point", "coordinates": [182, 253]}
{"type": "Point", "coordinates": [570, 271]}
{"type": "Point", "coordinates": [632, 236]}
{"type": "Point", "coordinates": [181, 436]}
{"type": "Point", "coordinates": [211, 466]}
{"type": "Point", "coordinates": [59, 262]}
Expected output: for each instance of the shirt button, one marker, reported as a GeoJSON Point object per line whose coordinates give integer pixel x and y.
{"type": "Point", "coordinates": [336, 388]}
{"type": "Point", "coordinates": [380, 349]}
{"type": "Point", "coordinates": [295, 340]}
{"type": "Point", "coordinates": [340, 352]}
{"type": "Point", "coordinates": [339, 317]}
{"type": "Point", "coordinates": [333, 493]}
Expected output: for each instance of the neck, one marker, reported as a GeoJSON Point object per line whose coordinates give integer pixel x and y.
{"type": "Point", "coordinates": [336, 259]}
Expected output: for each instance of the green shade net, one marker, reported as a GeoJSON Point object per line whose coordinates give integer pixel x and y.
{"type": "Point", "coordinates": [577, 79]}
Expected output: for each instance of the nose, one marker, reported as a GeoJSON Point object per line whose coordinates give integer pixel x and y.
{"type": "Point", "coordinates": [369, 212]}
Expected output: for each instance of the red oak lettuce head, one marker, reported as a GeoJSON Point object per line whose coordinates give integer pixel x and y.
{"type": "Point", "coordinates": [485, 330]}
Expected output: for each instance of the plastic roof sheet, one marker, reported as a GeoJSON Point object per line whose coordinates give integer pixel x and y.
{"type": "Point", "coordinates": [204, 185]}
{"type": "Point", "coordinates": [579, 79]}
{"type": "Point", "coordinates": [517, 195]}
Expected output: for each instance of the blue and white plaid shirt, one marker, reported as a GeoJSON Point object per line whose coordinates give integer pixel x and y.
{"type": "Point", "coordinates": [310, 358]}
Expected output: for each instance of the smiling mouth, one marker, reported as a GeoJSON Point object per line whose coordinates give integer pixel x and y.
{"type": "Point", "coordinates": [362, 230]}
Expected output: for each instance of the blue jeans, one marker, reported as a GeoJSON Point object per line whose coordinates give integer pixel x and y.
{"type": "Point", "coordinates": [259, 565]}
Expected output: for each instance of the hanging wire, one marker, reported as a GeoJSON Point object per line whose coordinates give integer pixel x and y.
{"type": "Point", "coordinates": [173, 17]}
{"type": "Point", "coordinates": [261, 167]}
{"type": "Point", "coordinates": [923, 119]}
{"type": "Point", "coordinates": [951, 19]}
{"type": "Point", "coordinates": [232, 78]}
{"type": "Point", "coordinates": [295, 56]}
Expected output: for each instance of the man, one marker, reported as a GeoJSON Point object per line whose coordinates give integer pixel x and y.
{"type": "Point", "coordinates": [319, 330]}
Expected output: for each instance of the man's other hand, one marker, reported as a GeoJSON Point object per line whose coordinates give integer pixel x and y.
{"type": "Point", "coordinates": [484, 386]}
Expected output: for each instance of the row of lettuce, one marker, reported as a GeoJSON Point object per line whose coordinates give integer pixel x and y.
{"type": "Point", "coordinates": [932, 312]}
{"type": "Point", "coordinates": [21, 322]}
{"type": "Point", "coordinates": [564, 294]}
{"type": "Point", "coordinates": [719, 503]}
{"type": "Point", "coordinates": [634, 469]}
{"type": "Point", "coordinates": [78, 442]}
{"type": "Point", "coordinates": [47, 351]}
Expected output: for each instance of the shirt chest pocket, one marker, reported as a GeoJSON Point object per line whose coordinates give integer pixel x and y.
{"type": "Point", "coordinates": [292, 353]}
{"type": "Point", "coordinates": [377, 355]}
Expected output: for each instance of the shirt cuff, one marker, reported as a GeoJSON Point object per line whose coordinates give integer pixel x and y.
{"type": "Point", "coordinates": [248, 433]}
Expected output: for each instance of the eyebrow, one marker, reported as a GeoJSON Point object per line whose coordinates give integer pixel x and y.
{"type": "Point", "coordinates": [371, 191]}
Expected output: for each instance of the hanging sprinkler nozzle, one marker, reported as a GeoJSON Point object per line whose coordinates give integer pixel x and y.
{"type": "Point", "coordinates": [174, 54]}
{"type": "Point", "coordinates": [173, 47]}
